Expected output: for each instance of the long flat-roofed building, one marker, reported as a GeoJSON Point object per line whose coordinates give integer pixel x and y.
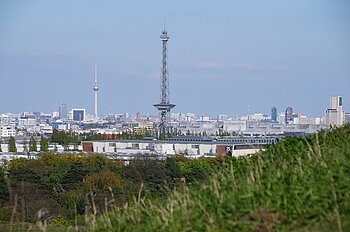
{"type": "Point", "coordinates": [193, 146]}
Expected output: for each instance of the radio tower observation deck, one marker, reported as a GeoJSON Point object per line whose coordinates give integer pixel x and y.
{"type": "Point", "coordinates": [164, 106]}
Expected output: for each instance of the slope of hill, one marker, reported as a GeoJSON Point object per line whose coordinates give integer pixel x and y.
{"type": "Point", "coordinates": [298, 184]}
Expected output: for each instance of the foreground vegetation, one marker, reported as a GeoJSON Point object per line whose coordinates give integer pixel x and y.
{"type": "Point", "coordinates": [299, 184]}
{"type": "Point", "coordinates": [63, 189]}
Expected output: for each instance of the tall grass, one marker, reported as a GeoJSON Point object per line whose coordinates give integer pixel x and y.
{"type": "Point", "coordinates": [298, 184]}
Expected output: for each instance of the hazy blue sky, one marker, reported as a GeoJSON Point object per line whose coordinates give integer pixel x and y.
{"type": "Point", "coordinates": [224, 56]}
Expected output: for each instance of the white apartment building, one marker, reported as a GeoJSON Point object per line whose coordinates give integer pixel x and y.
{"type": "Point", "coordinates": [257, 116]}
{"type": "Point", "coordinates": [234, 125]}
{"type": "Point", "coordinates": [26, 122]}
{"type": "Point", "coordinates": [7, 131]}
{"type": "Point", "coordinates": [8, 119]}
{"type": "Point", "coordinates": [282, 118]}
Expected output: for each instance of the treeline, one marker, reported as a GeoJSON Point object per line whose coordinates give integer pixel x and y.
{"type": "Point", "coordinates": [138, 136]}
{"type": "Point", "coordinates": [122, 136]}
{"type": "Point", "coordinates": [65, 138]}
{"type": "Point", "coordinates": [31, 147]}
{"type": "Point", "coordinates": [65, 187]}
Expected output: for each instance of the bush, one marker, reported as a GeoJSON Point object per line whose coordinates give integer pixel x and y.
{"type": "Point", "coordinates": [5, 213]}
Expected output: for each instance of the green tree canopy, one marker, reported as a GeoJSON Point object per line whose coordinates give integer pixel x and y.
{"type": "Point", "coordinates": [12, 145]}
{"type": "Point", "coordinates": [32, 145]}
{"type": "Point", "coordinates": [4, 194]}
{"type": "Point", "coordinates": [44, 144]}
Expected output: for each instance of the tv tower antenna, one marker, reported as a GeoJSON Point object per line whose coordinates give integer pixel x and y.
{"type": "Point", "coordinates": [95, 91]}
{"type": "Point", "coordinates": [164, 106]}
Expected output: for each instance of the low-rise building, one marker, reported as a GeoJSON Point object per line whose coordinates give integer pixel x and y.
{"type": "Point", "coordinates": [7, 131]}
{"type": "Point", "coordinates": [192, 146]}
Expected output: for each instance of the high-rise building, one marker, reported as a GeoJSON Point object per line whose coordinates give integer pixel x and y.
{"type": "Point", "coordinates": [78, 115]}
{"type": "Point", "coordinates": [62, 111]}
{"type": "Point", "coordinates": [335, 102]}
{"type": "Point", "coordinates": [335, 115]}
{"type": "Point", "coordinates": [289, 115]}
{"type": "Point", "coordinates": [282, 118]}
{"type": "Point", "coordinates": [274, 114]}
{"type": "Point", "coordinates": [37, 115]}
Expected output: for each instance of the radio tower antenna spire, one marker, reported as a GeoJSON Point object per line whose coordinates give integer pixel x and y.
{"type": "Point", "coordinates": [164, 106]}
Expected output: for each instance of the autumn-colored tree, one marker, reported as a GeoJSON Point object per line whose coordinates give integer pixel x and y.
{"type": "Point", "coordinates": [99, 181]}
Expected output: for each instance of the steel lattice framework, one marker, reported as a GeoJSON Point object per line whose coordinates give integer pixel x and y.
{"type": "Point", "coordinates": [164, 106]}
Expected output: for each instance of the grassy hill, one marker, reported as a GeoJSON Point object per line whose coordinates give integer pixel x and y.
{"type": "Point", "coordinates": [299, 184]}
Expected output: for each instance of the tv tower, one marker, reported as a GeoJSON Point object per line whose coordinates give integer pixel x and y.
{"type": "Point", "coordinates": [95, 90]}
{"type": "Point", "coordinates": [164, 106]}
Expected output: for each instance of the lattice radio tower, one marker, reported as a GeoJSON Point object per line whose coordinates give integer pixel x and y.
{"type": "Point", "coordinates": [164, 106]}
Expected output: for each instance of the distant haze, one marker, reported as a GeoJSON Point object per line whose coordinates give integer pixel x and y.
{"type": "Point", "coordinates": [226, 57]}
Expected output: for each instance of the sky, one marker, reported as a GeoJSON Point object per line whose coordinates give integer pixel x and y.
{"type": "Point", "coordinates": [225, 57]}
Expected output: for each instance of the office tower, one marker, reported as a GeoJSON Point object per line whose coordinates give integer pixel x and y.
{"type": "Point", "coordinates": [62, 111]}
{"type": "Point", "coordinates": [274, 114]}
{"type": "Point", "coordinates": [335, 115]}
{"type": "Point", "coordinates": [78, 115]}
{"type": "Point", "coordinates": [289, 115]}
{"type": "Point", "coordinates": [164, 106]}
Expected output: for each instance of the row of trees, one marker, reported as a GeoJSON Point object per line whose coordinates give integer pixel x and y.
{"type": "Point", "coordinates": [138, 136]}
{"type": "Point", "coordinates": [67, 185]}
{"type": "Point", "coordinates": [65, 138]}
{"type": "Point", "coordinates": [44, 145]}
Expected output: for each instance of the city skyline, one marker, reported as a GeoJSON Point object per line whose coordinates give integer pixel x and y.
{"type": "Point", "coordinates": [230, 58]}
